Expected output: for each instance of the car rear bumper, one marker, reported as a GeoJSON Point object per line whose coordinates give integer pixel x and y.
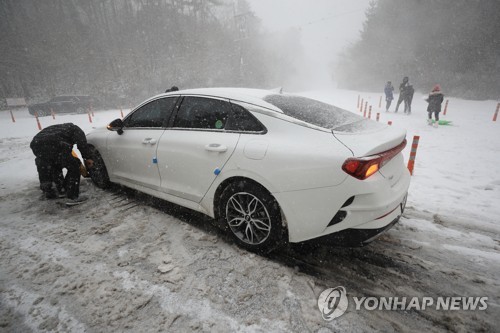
{"type": "Point", "coordinates": [371, 205]}
{"type": "Point", "coordinates": [355, 237]}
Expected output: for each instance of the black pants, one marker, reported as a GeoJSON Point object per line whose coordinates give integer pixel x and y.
{"type": "Point", "coordinates": [436, 114]}
{"type": "Point", "coordinates": [400, 100]}
{"type": "Point", "coordinates": [408, 101]}
{"type": "Point", "coordinates": [49, 164]}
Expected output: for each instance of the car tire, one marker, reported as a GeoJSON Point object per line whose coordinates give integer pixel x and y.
{"type": "Point", "coordinates": [98, 173]}
{"type": "Point", "coordinates": [251, 216]}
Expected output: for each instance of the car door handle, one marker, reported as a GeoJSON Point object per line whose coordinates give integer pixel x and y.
{"type": "Point", "coordinates": [151, 141]}
{"type": "Point", "coordinates": [216, 147]}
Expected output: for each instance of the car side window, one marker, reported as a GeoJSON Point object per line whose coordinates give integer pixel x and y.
{"type": "Point", "coordinates": [202, 113]}
{"type": "Point", "coordinates": [153, 114]}
{"type": "Point", "coordinates": [242, 120]}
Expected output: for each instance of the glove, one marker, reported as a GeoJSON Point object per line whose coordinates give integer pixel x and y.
{"type": "Point", "coordinates": [89, 164]}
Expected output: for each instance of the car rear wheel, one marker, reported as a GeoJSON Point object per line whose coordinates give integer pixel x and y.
{"type": "Point", "coordinates": [252, 216]}
{"type": "Point", "coordinates": [98, 173]}
{"type": "Point", "coordinates": [41, 113]}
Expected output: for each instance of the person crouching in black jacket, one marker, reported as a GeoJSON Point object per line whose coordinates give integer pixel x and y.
{"type": "Point", "coordinates": [52, 147]}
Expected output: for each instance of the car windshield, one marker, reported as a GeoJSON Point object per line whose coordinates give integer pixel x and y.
{"type": "Point", "coordinates": [314, 112]}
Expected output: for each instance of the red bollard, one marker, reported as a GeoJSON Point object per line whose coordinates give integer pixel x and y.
{"type": "Point", "coordinates": [358, 102]}
{"type": "Point", "coordinates": [121, 112]}
{"type": "Point", "coordinates": [361, 105]}
{"type": "Point", "coordinates": [90, 117]}
{"type": "Point", "coordinates": [413, 154]}
{"type": "Point", "coordinates": [496, 112]}
{"type": "Point", "coordinates": [14, 119]}
{"type": "Point", "coordinates": [380, 102]}
{"type": "Point", "coordinates": [53, 114]}
{"type": "Point", "coordinates": [366, 108]}
{"type": "Point", "coordinates": [38, 121]}
{"type": "Point", "coordinates": [445, 108]}
{"type": "Point", "coordinates": [378, 116]}
{"type": "Point", "coordinates": [389, 123]}
{"type": "Point", "coordinates": [91, 110]}
{"type": "Point", "coordinates": [370, 113]}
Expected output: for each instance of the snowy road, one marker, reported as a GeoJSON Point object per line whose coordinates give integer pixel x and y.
{"type": "Point", "coordinates": [125, 262]}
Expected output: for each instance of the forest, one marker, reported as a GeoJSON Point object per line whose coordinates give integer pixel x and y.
{"type": "Point", "coordinates": [455, 43]}
{"type": "Point", "coordinates": [123, 51]}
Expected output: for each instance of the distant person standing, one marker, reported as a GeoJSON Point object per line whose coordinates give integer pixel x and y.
{"type": "Point", "coordinates": [402, 92]}
{"type": "Point", "coordinates": [409, 92]}
{"type": "Point", "coordinates": [389, 96]}
{"type": "Point", "coordinates": [435, 100]}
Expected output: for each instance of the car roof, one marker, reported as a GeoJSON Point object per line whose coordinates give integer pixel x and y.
{"type": "Point", "coordinates": [248, 95]}
{"type": "Point", "coordinates": [78, 96]}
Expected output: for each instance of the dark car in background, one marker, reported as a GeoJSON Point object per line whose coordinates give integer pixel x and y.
{"type": "Point", "coordinates": [64, 104]}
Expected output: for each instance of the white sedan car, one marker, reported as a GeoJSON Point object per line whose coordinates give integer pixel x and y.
{"type": "Point", "coordinates": [271, 167]}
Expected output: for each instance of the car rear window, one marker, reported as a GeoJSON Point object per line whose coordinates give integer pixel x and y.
{"type": "Point", "coordinates": [314, 112]}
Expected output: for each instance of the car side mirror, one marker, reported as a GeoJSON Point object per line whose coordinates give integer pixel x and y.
{"type": "Point", "coordinates": [116, 125]}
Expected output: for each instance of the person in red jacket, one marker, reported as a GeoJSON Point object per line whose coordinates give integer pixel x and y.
{"type": "Point", "coordinates": [435, 100]}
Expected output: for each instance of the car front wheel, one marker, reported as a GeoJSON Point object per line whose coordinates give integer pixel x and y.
{"type": "Point", "coordinates": [98, 173]}
{"type": "Point", "coordinates": [252, 216]}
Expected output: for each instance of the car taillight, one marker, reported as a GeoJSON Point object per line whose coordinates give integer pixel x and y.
{"type": "Point", "coordinates": [363, 167]}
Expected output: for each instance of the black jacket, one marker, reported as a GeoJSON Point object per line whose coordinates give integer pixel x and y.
{"type": "Point", "coordinates": [60, 138]}
{"type": "Point", "coordinates": [435, 99]}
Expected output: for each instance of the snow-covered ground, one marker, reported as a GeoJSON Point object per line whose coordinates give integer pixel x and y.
{"type": "Point", "coordinates": [125, 262]}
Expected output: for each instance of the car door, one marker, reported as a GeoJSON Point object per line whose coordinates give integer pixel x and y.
{"type": "Point", "coordinates": [57, 104]}
{"type": "Point", "coordinates": [67, 104]}
{"type": "Point", "coordinates": [132, 154]}
{"type": "Point", "coordinates": [194, 150]}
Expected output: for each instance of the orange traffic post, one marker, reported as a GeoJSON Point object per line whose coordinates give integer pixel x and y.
{"type": "Point", "coordinates": [121, 112]}
{"type": "Point", "coordinates": [38, 121]}
{"type": "Point", "coordinates": [370, 112]}
{"type": "Point", "coordinates": [361, 105]}
{"type": "Point", "coordinates": [358, 102]}
{"type": "Point", "coordinates": [90, 117]}
{"type": "Point", "coordinates": [445, 108]}
{"type": "Point", "coordinates": [413, 153]}
{"type": "Point", "coordinates": [380, 102]}
{"type": "Point", "coordinates": [378, 116]}
{"type": "Point", "coordinates": [389, 123]}
{"type": "Point", "coordinates": [91, 110]}
{"type": "Point", "coordinates": [496, 112]}
{"type": "Point", "coordinates": [14, 119]}
{"type": "Point", "coordinates": [366, 108]}
{"type": "Point", "coordinates": [53, 114]}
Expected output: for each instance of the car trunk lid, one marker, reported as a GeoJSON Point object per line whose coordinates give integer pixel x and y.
{"type": "Point", "coordinates": [367, 138]}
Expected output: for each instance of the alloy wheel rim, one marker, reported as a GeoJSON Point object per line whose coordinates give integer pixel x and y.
{"type": "Point", "coordinates": [248, 218]}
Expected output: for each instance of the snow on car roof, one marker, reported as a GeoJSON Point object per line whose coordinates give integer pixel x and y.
{"type": "Point", "coordinates": [248, 95]}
